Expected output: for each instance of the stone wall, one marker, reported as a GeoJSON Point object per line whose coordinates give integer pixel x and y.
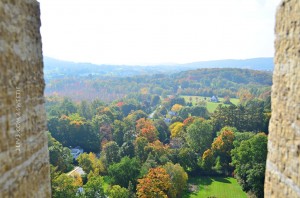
{"type": "Point", "coordinates": [283, 163]}
{"type": "Point", "coordinates": [24, 160]}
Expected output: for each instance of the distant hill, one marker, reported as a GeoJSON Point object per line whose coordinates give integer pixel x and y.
{"type": "Point", "coordinates": [54, 68]}
{"type": "Point", "coordinates": [201, 82]}
{"type": "Point", "coordinates": [224, 76]}
{"type": "Point", "coordinates": [264, 64]}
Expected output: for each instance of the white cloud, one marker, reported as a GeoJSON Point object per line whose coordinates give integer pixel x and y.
{"type": "Point", "coordinates": [155, 31]}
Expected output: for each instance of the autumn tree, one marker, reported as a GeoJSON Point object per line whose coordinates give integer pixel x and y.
{"type": "Point", "coordinates": [105, 132]}
{"type": "Point", "coordinates": [108, 112]}
{"type": "Point", "coordinates": [176, 107]}
{"type": "Point", "coordinates": [223, 145]}
{"type": "Point", "coordinates": [98, 166]}
{"type": "Point", "coordinates": [77, 179]}
{"type": "Point", "coordinates": [176, 129]}
{"type": "Point", "coordinates": [178, 179]}
{"type": "Point", "coordinates": [136, 115]}
{"type": "Point", "coordinates": [155, 184]}
{"type": "Point", "coordinates": [208, 160]}
{"type": "Point", "coordinates": [158, 150]}
{"type": "Point", "coordinates": [244, 95]}
{"type": "Point", "coordinates": [85, 162]}
{"type": "Point", "coordinates": [145, 128]}
{"type": "Point", "coordinates": [188, 121]}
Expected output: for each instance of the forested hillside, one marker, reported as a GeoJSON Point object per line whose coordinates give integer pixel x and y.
{"type": "Point", "coordinates": [150, 136]}
{"type": "Point", "coordinates": [202, 82]}
{"type": "Point", "coordinates": [54, 68]}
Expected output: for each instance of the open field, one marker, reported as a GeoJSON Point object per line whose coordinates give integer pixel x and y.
{"type": "Point", "coordinates": [211, 106]}
{"type": "Point", "coordinates": [217, 187]}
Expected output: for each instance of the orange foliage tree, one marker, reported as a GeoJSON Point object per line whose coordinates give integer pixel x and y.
{"type": "Point", "coordinates": [224, 142]}
{"type": "Point", "coordinates": [188, 121]}
{"type": "Point", "coordinates": [244, 95]}
{"type": "Point", "coordinates": [155, 184]}
{"type": "Point", "coordinates": [223, 145]}
{"type": "Point", "coordinates": [207, 159]}
{"type": "Point", "coordinates": [145, 128]}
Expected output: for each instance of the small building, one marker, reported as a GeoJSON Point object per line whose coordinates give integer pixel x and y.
{"type": "Point", "coordinates": [172, 113]}
{"type": "Point", "coordinates": [167, 120]}
{"type": "Point", "coordinates": [80, 191]}
{"type": "Point", "coordinates": [75, 152]}
{"type": "Point", "coordinates": [214, 99]}
{"type": "Point", "coordinates": [76, 171]}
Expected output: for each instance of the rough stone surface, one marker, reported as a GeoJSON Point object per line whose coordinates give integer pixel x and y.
{"type": "Point", "coordinates": [283, 162]}
{"type": "Point", "coordinates": [24, 160]}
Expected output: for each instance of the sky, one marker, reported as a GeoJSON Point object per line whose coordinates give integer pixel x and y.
{"type": "Point", "coordinates": [148, 32]}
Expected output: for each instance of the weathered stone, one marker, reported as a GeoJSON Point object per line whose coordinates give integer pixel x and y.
{"type": "Point", "coordinates": [283, 163]}
{"type": "Point", "coordinates": [24, 160]}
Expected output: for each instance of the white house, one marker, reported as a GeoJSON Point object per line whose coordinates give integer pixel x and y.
{"type": "Point", "coordinates": [172, 113]}
{"type": "Point", "coordinates": [76, 171]}
{"type": "Point", "coordinates": [214, 99]}
{"type": "Point", "coordinates": [75, 152]}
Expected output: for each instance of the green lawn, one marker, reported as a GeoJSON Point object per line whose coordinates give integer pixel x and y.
{"type": "Point", "coordinates": [216, 187]}
{"type": "Point", "coordinates": [211, 106]}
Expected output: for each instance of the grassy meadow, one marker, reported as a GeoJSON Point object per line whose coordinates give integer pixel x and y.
{"type": "Point", "coordinates": [216, 187]}
{"type": "Point", "coordinates": [211, 106]}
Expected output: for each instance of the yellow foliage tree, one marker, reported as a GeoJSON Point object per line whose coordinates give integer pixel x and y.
{"type": "Point", "coordinates": [176, 107]}
{"type": "Point", "coordinates": [176, 129]}
{"type": "Point", "coordinates": [77, 179]}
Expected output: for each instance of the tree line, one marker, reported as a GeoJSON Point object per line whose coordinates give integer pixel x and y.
{"type": "Point", "coordinates": [141, 156]}
{"type": "Point", "coordinates": [203, 82]}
